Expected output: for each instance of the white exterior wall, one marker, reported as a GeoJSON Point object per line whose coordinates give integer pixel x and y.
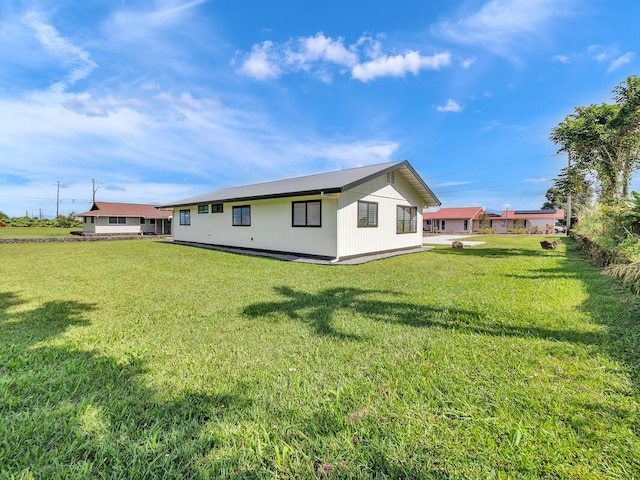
{"type": "Point", "coordinates": [102, 225]}
{"type": "Point", "coordinates": [270, 227]}
{"type": "Point", "coordinates": [88, 226]}
{"type": "Point", "coordinates": [354, 240]}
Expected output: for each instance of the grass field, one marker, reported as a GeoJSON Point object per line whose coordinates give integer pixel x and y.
{"type": "Point", "coordinates": [152, 360]}
{"type": "Point", "coordinates": [36, 232]}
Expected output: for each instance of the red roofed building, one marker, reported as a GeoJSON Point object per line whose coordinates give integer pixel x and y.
{"type": "Point", "coordinates": [467, 220]}
{"type": "Point", "coordinates": [109, 218]}
{"type": "Point", "coordinates": [450, 220]}
{"type": "Point", "coordinates": [542, 221]}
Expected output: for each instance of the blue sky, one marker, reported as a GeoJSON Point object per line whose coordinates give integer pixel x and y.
{"type": "Point", "coordinates": [161, 100]}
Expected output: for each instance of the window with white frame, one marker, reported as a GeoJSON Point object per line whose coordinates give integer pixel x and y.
{"type": "Point", "coordinates": [117, 220]}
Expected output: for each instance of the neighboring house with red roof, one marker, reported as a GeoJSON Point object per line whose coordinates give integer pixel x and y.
{"type": "Point", "coordinates": [467, 220]}
{"type": "Point", "coordinates": [451, 220]}
{"type": "Point", "coordinates": [109, 218]}
{"type": "Point", "coordinates": [542, 221]}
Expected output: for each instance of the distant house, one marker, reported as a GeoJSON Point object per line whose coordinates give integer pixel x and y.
{"type": "Point", "coordinates": [542, 221]}
{"type": "Point", "coordinates": [126, 218]}
{"type": "Point", "coordinates": [335, 215]}
{"type": "Point", "coordinates": [451, 220]}
{"type": "Point", "coordinates": [468, 220]}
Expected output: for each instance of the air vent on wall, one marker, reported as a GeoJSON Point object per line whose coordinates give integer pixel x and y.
{"type": "Point", "coordinates": [391, 177]}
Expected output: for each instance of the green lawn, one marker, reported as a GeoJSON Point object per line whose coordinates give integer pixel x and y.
{"type": "Point", "coordinates": [151, 360]}
{"type": "Point", "coordinates": [36, 232]}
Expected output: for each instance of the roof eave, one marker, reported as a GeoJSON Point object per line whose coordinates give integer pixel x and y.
{"type": "Point", "coordinates": [305, 193]}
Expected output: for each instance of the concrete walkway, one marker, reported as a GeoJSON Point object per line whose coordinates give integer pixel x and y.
{"type": "Point", "coordinates": [448, 239]}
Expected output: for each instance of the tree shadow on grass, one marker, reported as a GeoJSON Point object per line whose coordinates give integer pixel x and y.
{"type": "Point", "coordinates": [319, 311]}
{"type": "Point", "coordinates": [66, 412]}
{"type": "Point", "coordinates": [606, 303]}
{"type": "Point", "coordinates": [492, 252]}
{"type": "Point", "coordinates": [610, 305]}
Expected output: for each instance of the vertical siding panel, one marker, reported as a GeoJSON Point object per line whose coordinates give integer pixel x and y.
{"type": "Point", "coordinates": [270, 227]}
{"type": "Point", "coordinates": [353, 240]}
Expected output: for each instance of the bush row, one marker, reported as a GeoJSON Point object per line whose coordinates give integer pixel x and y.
{"type": "Point", "coordinates": [61, 221]}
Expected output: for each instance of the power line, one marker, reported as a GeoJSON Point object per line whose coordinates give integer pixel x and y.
{"type": "Point", "coordinates": [48, 199]}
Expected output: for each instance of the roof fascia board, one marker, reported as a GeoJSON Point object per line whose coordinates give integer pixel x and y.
{"type": "Point", "coordinates": [406, 163]}
{"type": "Point", "coordinates": [396, 166]}
{"type": "Point", "coordinates": [254, 197]}
{"type": "Point", "coordinates": [377, 174]}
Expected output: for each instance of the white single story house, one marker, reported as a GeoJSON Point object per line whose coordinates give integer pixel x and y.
{"type": "Point", "coordinates": [109, 218]}
{"type": "Point", "coordinates": [333, 215]}
{"type": "Point", "coordinates": [451, 220]}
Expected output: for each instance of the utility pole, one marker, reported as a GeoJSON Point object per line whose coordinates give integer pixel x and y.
{"type": "Point", "coordinates": [58, 200]}
{"type": "Point", "coordinates": [94, 190]}
{"type": "Point", "coordinates": [568, 224]}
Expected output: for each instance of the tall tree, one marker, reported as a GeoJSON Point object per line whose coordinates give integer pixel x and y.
{"type": "Point", "coordinates": [604, 140]}
{"type": "Point", "coordinates": [571, 181]}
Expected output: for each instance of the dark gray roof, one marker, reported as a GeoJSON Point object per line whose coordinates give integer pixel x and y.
{"type": "Point", "coordinates": [331, 182]}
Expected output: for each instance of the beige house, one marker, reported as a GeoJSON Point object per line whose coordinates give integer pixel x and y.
{"type": "Point", "coordinates": [468, 220]}
{"type": "Point", "coordinates": [333, 215]}
{"type": "Point", "coordinates": [109, 218]}
{"type": "Point", "coordinates": [535, 221]}
{"type": "Point", "coordinates": [451, 220]}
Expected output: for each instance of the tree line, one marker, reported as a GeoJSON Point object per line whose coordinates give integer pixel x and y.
{"type": "Point", "coordinates": [602, 142]}
{"type": "Point", "coordinates": [61, 221]}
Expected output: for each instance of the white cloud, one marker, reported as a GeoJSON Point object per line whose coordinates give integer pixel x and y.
{"type": "Point", "coordinates": [178, 138]}
{"type": "Point", "coordinates": [504, 26]}
{"type": "Point", "coordinates": [467, 62]}
{"type": "Point", "coordinates": [620, 61]}
{"type": "Point", "coordinates": [399, 65]}
{"type": "Point", "coordinates": [259, 63]}
{"type": "Point", "coordinates": [611, 55]}
{"type": "Point", "coordinates": [602, 54]}
{"type": "Point", "coordinates": [538, 180]}
{"type": "Point", "coordinates": [561, 58]}
{"type": "Point", "coordinates": [72, 56]}
{"type": "Point", "coordinates": [450, 106]}
{"type": "Point", "coordinates": [321, 48]}
{"type": "Point", "coordinates": [321, 55]}
{"type": "Point", "coordinates": [452, 184]}
{"type": "Point", "coordinates": [131, 24]}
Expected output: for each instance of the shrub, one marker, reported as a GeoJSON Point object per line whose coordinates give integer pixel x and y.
{"type": "Point", "coordinates": [519, 231]}
{"type": "Point", "coordinates": [486, 231]}
{"type": "Point", "coordinates": [629, 275]}
{"type": "Point", "coordinates": [610, 227]}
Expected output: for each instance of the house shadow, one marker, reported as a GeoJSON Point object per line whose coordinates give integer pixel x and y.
{"type": "Point", "coordinates": [68, 412]}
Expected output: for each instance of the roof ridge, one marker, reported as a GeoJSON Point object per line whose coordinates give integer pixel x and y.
{"type": "Point", "coordinates": [388, 164]}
